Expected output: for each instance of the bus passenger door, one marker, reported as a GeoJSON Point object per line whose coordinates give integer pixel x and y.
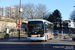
{"type": "Point", "coordinates": [45, 30]}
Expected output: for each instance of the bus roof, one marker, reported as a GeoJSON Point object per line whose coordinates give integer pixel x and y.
{"type": "Point", "coordinates": [40, 20]}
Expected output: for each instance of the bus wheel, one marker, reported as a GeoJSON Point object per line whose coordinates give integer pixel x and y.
{"type": "Point", "coordinates": [73, 39]}
{"type": "Point", "coordinates": [32, 41]}
{"type": "Point", "coordinates": [45, 40]}
{"type": "Point", "coordinates": [50, 38]}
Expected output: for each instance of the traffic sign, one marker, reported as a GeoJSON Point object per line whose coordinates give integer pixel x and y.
{"type": "Point", "coordinates": [20, 10]}
{"type": "Point", "coordinates": [19, 25]}
{"type": "Point", "coordinates": [69, 25]}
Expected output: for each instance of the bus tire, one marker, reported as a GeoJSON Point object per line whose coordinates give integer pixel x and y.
{"type": "Point", "coordinates": [50, 38]}
{"type": "Point", "coordinates": [32, 41]}
{"type": "Point", "coordinates": [73, 39]}
{"type": "Point", "coordinates": [45, 40]}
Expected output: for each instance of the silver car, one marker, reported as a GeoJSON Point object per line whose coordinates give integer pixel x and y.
{"type": "Point", "coordinates": [56, 32]}
{"type": "Point", "coordinates": [73, 38]}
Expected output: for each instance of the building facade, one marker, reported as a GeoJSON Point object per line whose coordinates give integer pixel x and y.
{"type": "Point", "coordinates": [11, 11]}
{"type": "Point", "coordinates": [68, 24]}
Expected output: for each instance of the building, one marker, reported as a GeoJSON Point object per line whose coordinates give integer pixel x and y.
{"type": "Point", "coordinates": [68, 24]}
{"type": "Point", "coordinates": [11, 11]}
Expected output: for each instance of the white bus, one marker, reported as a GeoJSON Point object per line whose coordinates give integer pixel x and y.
{"type": "Point", "coordinates": [39, 29]}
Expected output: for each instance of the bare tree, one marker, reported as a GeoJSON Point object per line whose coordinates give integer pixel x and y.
{"type": "Point", "coordinates": [16, 15]}
{"type": "Point", "coordinates": [13, 13]}
{"type": "Point", "coordinates": [28, 11]}
{"type": "Point", "coordinates": [72, 16]}
{"type": "Point", "coordinates": [0, 13]}
{"type": "Point", "coordinates": [7, 11]}
{"type": "Point", "coordinates": [41, 10]}
{"type": "Point", "coordinates": [31, 11]}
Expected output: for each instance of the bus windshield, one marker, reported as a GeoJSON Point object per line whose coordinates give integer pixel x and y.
{"type": "Point", "coordinates": [35, 26]}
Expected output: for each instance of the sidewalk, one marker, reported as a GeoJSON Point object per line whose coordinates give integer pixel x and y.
{"type": "Point", "coordinates": [14, 39]}
{"type": "Point", "coordinates": [1, 38]}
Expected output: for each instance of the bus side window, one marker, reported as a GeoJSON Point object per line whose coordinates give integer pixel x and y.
{"type": "Point", "coordinates": [51, 25]}
{"type": "Point", "coordinates": [46, 28]}
{"type": "Point", "coordinates": [51, 28]}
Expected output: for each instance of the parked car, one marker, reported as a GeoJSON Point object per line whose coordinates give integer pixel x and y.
{"type": "Point", "coordinates": [56, 32]}
{"type": "Point", "coordinates": [73, 38]}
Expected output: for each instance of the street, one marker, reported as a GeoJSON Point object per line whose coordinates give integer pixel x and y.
{"type": "Point", "coordinates": [23, 44]}
{"type": "Point", "coordinates": [21, 20]}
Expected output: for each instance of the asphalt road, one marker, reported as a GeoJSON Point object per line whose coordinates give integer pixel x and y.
{"type": "Point", "coordinates": [57, 43]}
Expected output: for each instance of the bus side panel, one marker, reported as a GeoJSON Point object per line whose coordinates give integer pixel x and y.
{"type": "Point", "coordinates": [49, 30]}
{"type": "Point", "coordinates": [49, 35]}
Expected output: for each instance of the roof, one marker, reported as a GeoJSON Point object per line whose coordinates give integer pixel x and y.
{"type": "Point", "coordinates": [40, 20]}
{"type": "Point", "coordinates": [66, 21]}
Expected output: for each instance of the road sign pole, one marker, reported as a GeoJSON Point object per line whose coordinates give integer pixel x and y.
{"type": "Point", "coordinates": [19, 33]}
{"type": "Point", "coordinates": [69, 26]}
{"type": "Point", "coordinates": [19, 19]}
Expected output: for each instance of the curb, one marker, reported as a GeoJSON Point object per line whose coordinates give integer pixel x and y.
{"type": "Point", "coordinates": [1, 38]}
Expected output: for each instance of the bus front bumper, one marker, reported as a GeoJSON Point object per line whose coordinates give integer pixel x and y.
{"type": "Point", "coordinates": [36, 38]}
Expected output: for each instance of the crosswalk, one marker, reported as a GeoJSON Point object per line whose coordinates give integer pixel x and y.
{"type": "Point", "coordinates": [57, 37]}
{"type": "Point", "coordinates": [61, 37]}
{"type": "Point", "coordinates": [33, 47]}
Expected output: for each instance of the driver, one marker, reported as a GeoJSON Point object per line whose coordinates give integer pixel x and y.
{"type": "Point", "coordinates": [40, 31]}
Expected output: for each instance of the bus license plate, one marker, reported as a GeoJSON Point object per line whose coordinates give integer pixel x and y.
{"type": "Point", "coordinates": [33, 35]}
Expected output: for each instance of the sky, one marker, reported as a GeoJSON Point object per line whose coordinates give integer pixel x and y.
{"type": "Point", "coordinates": [64, 6]}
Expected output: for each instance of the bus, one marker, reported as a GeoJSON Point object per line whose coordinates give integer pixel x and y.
{"type": "Point", "coordinates": [39, 29]}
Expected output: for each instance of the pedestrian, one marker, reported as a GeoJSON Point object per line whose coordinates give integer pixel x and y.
{"type": "Point", "coordinates": [70, 33]}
